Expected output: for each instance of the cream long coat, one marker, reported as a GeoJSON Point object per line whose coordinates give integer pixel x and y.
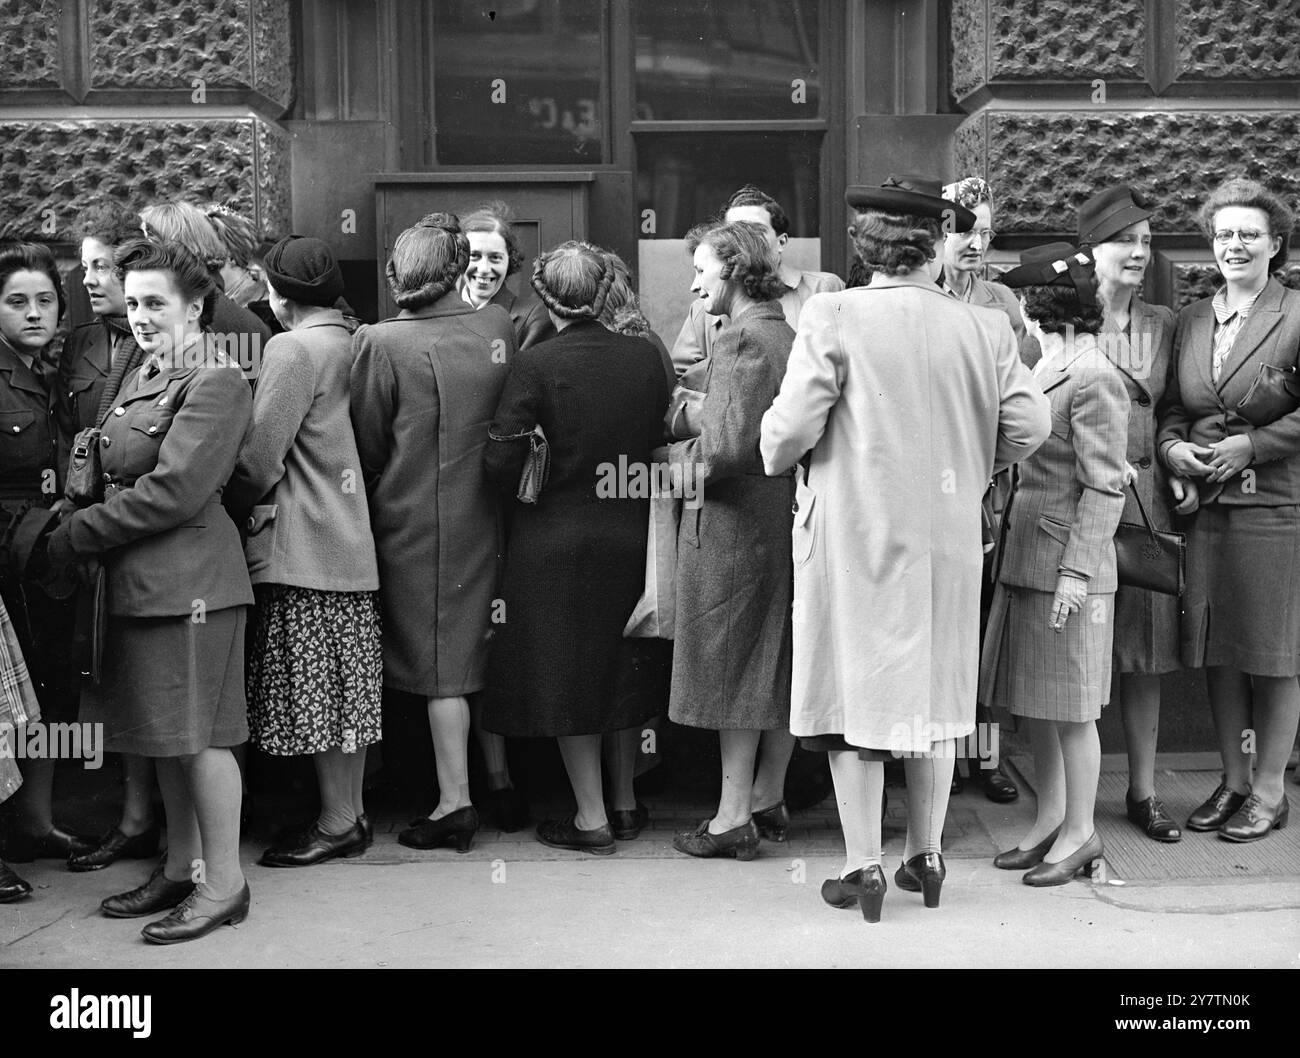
{"type": "Point", "coordinates": [908, 401]}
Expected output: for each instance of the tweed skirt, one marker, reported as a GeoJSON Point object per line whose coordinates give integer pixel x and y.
{"type": "Point", "coordinates": [171, 686]}
{"type": "Point", "coordinates": [1032, 671]}
{"type": "Point", "coordinates": [1241, 608]}
{"type": "Point", "coordinates": [316, 676]}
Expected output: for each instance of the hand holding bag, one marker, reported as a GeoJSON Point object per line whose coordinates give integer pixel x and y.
{"type": "Point", "coordinates": [1146, 557]}
{"type": "Point", "coordinates": [686, 405]}
{"type": "Point", "coordinates": [537, 467]}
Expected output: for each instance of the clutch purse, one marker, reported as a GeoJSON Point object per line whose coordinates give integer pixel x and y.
{"type": "Point", "coordinates": [686, 405]}
{"type": "Point", "coordinates": [85, 483]}
{"type": "Point", "coordinates": [1274, 393]}
{"type": "Point", "coordinates": [1146, 557]}
{"type": "Point", "coordinates": [537, 467]}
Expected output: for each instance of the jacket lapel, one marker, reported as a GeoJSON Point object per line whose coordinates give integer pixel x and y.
{"type": "Point", "coordinates": [1265, 314]}
{"type": "Point", "coordinates": [1199, 343]}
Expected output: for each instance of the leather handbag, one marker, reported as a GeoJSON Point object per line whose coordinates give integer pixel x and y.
{"type": "Point", "coordinates": [1274, 393]}
{"type": "Point", "coordinates": [85, 483]}
{"type": "Point", "coordinates": [537, 467]}
{"type": "Point", "coordinates": [1150, 558]}
{"type": "Point", "coordinates": [686, 405]}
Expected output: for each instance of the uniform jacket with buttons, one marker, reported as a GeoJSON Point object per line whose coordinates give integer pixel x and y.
{"type": "Point", "coordinates": [29, 434]}
{"type": "Point", "coordinates": [168, 447]}
{"type": "Point", "coordinates": [87, 361]}
{"type": "Point", "coordinates": [1203, 411]}
{"type": "Point", "coordinates": [1070, 494]}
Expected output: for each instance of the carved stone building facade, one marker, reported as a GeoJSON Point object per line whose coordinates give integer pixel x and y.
{"type": "Point", "coordinates": [625, 121]}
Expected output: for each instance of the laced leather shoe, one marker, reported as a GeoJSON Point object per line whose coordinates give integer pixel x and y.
{"type": "Point", "coordinates": [197, 916]}
{"type": "Point", "coordinates": [1254, 820]}
{"type": "Point", "coordinates": [1151, 816]}
{"type": "Point", "coordinates": [1217, 810]}
{"type": "Point", "coordinates": [159, 893]}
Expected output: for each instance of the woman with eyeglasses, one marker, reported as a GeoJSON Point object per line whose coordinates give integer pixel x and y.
{"type": "Point", "coordinates": [1232, 422]}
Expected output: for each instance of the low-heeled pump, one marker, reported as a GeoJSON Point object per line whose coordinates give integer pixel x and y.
{"type": "Point", "coordinates": [455, 828]}
{"type": "Point", "coordinates": [1019, 859]}
{"type": "Point", "coordinates": [868, 885]}
{"type": "Point", "coordinates": [1063, 871]}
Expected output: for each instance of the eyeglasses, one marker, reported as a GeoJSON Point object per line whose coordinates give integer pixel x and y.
{"type": "Point", "coordinates": [1247, 235]}
{"type": "Point", "coordinates": [982, 235]}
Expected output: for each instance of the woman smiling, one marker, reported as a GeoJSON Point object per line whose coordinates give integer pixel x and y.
{"type": "Point", "coordinates": [172, 686]}
{"type": "Point", "coordinates": [1232, 421]}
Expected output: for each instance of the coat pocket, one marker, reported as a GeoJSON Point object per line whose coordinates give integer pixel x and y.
{"type": "Point", "coordinates": [260, 536]}
{"type": "Point", "coordinates": [261, 516]}
{"type": "Point", "coordinates": [803, 535]}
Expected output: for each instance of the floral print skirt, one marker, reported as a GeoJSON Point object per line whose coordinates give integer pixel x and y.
{"type": "Point", "coordinates": [315, 672]}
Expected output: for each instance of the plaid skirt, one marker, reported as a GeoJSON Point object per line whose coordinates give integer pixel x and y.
{"type": "Point", "coordinates": [18, 703]}
{"type": "Point", "coordinates": [1032, 671]}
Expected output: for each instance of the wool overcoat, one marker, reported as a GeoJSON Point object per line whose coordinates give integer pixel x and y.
{"type": "Point", "coordinates": [731, 650]}
{"type": "Point", "coordinates": [424, 386]}
{"type": "Point", "coordinates": [907, 402]}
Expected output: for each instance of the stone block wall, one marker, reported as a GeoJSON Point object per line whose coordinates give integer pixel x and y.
{"type": "Point", "coordinates": [214, 78]}
{"type": "Point", "coordinates": [1171, 96]}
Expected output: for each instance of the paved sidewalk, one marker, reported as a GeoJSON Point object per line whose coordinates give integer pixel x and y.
{"type": "Point", "coordinates": [512, 902]}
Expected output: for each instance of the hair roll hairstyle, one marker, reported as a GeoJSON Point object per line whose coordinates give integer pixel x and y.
{"type": "Point", "coordinates": [428, 258]}
{"type": "Point", "coordinates": [189, 275]}
{"type": "Point", "coordinates": [1253, 195]}
{"type": "Point", "coordinates": [185, 224]}
{"type": "Point", "coordinates": [622, 312]}
{"type": "Point", "coordinates": [894, 244]}
{"type": "Point", "coordinates": [110, 223]}
{"type": "Point", "coordinates": [747, 259]}
{"type": "Point", "coordinates": [1059, 309]}
{"type": "Point", "coordinates": [573, 280]}
{"type": "Point", "coordinates": [496, 217]}
{"type": "Point", "coordinates": [31, 257]}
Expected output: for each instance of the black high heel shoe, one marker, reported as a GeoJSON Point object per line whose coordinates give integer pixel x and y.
{"type": "Point", "coordinates": [868, 886]}
{"type": "Point", "coordinates": [924, 874]}
{"type": "Point", "coordinates": [455, 828]}
{"type": "Point", "coordinates": [11, 886]}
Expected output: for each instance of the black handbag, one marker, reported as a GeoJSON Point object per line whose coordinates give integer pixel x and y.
{"type": "Point", "coordinates": [85, 481]}
{"type": "Point", "coordinates": [1150, 558]}
{"type": "Point", "coordinates": [1274, 393]}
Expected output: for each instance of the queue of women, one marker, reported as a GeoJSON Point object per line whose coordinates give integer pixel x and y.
{"type": "Point", "coordinates": [273, 556]}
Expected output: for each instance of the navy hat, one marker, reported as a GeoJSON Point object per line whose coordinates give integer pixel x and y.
{"type": "Point", "coordinates": [917, 195]}
{"type": "Point", "coordinates": [1109, 212]}
{"type": "Point", "coordinates": [304, 269]}
{"type": "Point", "coordinates": [1055, 264]}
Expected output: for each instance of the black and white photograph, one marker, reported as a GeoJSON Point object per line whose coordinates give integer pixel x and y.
{"type": "Point", "coordinates": [650, 484]}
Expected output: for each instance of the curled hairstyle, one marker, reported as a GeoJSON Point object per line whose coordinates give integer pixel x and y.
{"type": "Point", "coordinates": [969, 192]}
{"type": "Point", "coordinates": [1252, 195]}
{"type": "Point", "coordinates": [573, 280]}
{"type": "Point", "coordinates": [427, 260]}
{"type": "Point", "coordinates": [747, 259]}
{"type": "Point", "coordinates": [191, 277]}
{"type": "Point", "coordinates": [185, 224]}
{"type": "Point", "coordinates": [749, 195]}
{"type": "Point", "coordinates": [108, 222]}
{"type": "Point", "coordinates": [496, 217]}
{"type": "Point", "coordinates": [237, 233]}
{"type": "Point", "coordinates": [1058, 309]}
{"type": "Point", "coordinates": [622, 312]}
{"type": "Point", "coordinates": [31, 257]}
{"type": "Point", "coordinates": [894, 244]}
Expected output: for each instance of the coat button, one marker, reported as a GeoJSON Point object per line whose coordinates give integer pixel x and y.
{"type": "Point", "coordinates": [794, 507]}
{"type": "Point", "coordinates": [1144, 400]}
{"type": "Point", "coordinates": [153, 429]}
{"type": "Point", "coordinates": [119, 411]}
{"type": "Point", "coordinates": [108, 478]}
{"type": "Point", "coordinates": [1144, 462]}
{"type": "Point", "coordinates": [105, 441]}
{"type": "Point", "coordinates": [16, 429]}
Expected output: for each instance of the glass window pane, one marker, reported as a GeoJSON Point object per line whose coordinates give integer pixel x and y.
{"type": "Point", "coordinates": [727, 59]}
{"type": "Point", "coordinates": [517, 82]}
{"type": "Point", "coordinates": [685, 178]}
